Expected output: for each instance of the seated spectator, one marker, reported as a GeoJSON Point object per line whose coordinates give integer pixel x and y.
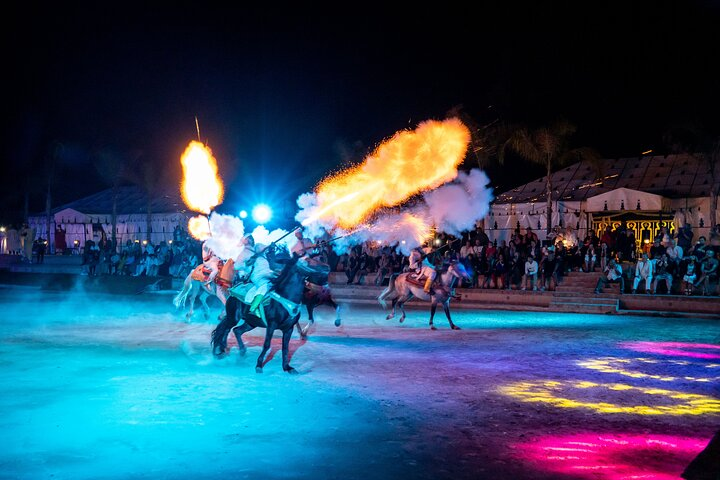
{"type": "Point", "coordinates": [698, 250]}
{"type": "Point", "coordinates": [664, 270]}
{"type": "Point", "coordinates": [549, 267]}
{"type": "Point", "coordinates": [708, 271]}
{"type": "Point", "coordinates": [613, 273]}
{"type": "Point", "coordinates": [674, 252]}
{"type": "Point", "coordinates": [516, 270]}
{"type": "Point", "coordinates": [531, 272]}
{"type": "Point", "coordinates": [643, 271]}
{"type": "Point", "coordinates": [656, 250]}
{"type": "Point", "coordinates": [689, 269]}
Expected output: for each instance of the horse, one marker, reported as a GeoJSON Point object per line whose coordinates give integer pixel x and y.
{"type": "Point", "coordinates": [317, 292]}
{"type": "Point", "coordinates": [400, 289]}
{"type": "Point", "coordinates": [281, 313]}
{"type": "Point", "coordinates": [194, 288]}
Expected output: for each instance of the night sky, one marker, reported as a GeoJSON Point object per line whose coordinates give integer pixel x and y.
{"type": "Point", "coordinates": [286, 95]}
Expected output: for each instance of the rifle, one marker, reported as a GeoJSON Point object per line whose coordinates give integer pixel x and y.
{"type": "Point", "coordinates": [272, 244]}
{"type": "Point", "coordinates": [431, 252]}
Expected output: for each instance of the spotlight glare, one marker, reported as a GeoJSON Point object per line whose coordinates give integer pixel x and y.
{"type": "Point", "coordinates": [261, 213]}
{"type": "Point", "coordinates": [243, 214]}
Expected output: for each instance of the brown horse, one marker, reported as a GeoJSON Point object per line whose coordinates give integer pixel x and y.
{"type": "Point", "coordinates": [401, 289]}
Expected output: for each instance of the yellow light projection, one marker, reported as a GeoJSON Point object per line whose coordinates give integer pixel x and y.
{"type": "Point", "coordinates": [617, 365]}
{"type": "Point", "coordinates": [548, 392]}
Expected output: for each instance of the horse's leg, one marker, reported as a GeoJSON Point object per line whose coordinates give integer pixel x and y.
{"type": "Point", "coordinates": [221, 294]}
{"type": "Point", "coordinates": [401, 304]}
{"type": "Point", "coordinates": [266, 346]}
{"type": "Point", "coordinates": [446, 307]}
{"type": "Point", "coordinates": [332, 303]}
{"type": "Point", "coordinates": [203, 302]}
{"type": "Point", "coordinates": [287, 333]}
{"type": "Point", "coordinates": [194, 290]}
{"type": "Point", "coordinates": [433, 307]}
{"type": "Point", "coordinates": [238, 332]}
{"type": "Point", "coordinates": [220, 333]}
{"type": "Point", "coordinates": [392, 314]}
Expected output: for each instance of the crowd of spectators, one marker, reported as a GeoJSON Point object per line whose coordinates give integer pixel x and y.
{"type": "Point", "coordinates": [175, 258]}
{"type": "Point", "coordinates": [674, 264]}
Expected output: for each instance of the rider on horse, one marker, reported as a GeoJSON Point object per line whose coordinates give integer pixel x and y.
{"type": "Point", "coordinates": [422, 266]}
{"type": "Point", "coordinates": [254, 267]}
{"type": "Point", "coordinates": [211, 262]}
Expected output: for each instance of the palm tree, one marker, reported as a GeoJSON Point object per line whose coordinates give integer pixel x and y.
{"type": "Point", "coordinates": [114, 168]}
{"type": "Point", "coordinates": [691, 138]}
{"type": "Point", "coordinates": [487, 139]}
{"type": "Point", "coordinates": [549, 147]}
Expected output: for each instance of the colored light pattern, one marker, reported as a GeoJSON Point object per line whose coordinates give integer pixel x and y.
{"type": "Point", "coordinates": [679, 349]}
{"type": "Point", "coordinates": [400, 167]}
{"type": "Point", "coordinates": [202, 189]}
{"type": "Point", "coordinates": [606, 456]}
{"type": "Point", "coordinates": [548, 392]}
{"type": "Point", "coordinates": [617, 365]}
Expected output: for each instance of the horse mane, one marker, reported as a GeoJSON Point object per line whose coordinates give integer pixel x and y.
{"type": "Point", "coordinates": [286, 271]}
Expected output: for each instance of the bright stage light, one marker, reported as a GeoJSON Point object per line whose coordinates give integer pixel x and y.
{"type": "Point", "coordinates": [261, 213]}
{"type": "Point", "coordinates": [243, 214]}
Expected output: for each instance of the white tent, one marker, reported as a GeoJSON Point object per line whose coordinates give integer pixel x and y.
{"type": "Point", "coordinates": [624, 199]}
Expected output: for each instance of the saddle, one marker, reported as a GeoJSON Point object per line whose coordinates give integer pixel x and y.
{"type": "Point", "coordinates": [418, 280]}
{"type": "Point", "coordinates": [223, 278]}
{"type": "Point", "coordinates": [322, 292]}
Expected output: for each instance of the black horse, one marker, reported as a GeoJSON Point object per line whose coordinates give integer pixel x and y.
{"type": "Point", "coordinates": [289, 285]}
{"type": "Point", "coordinates": [317, 293]}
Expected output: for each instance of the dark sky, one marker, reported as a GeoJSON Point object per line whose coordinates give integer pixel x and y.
{"type": "Point", "coordinates": [284, 95]}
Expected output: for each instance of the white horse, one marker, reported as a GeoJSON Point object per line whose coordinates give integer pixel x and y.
{"type": "Point", "coordinates": [193, 289]}
{"type": "Point", "coordinates": [400, 290]}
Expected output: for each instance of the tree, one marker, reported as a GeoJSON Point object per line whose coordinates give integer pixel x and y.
{"type": "Point", "coordinates": [691, 138]}
{"type": "Point", "coordinates": [113, 167]}
{"type": "Point", "coordinates": [487, 139]}
{"type": "Point", "coordinates": [549, 147]}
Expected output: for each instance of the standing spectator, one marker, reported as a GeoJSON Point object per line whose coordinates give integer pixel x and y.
{"type": "Point", "coordinates": [612, 274]}
{"type": "Point", "coordinates": [708, 271]}
{"type": "Point", "coordinates": [698, 250]}
{"type": "Point", "coordinates": [590, 258]}
{"type": "Point", "coordinates": [684, 237]}
{"type": "Point", "coordinates": [466, 250]}
{"type": "Point", "coordinates": [352, 267]}
{"type": "Point", "coordinates": [643, 271]}
{"type": "Point", "coordinates": [41, 247]}
{"type": "Point", "coordinates": [531, 271]}
{"type": "Point", "coordinates": [604, 255]}
{"type": "Point", "coordinates": [664, 270]}
{"type": "Point", "coordinates": [498, 275]}
{"type": "Point", "coordinates": [531, 236]}
{"type": "Point", "coordinates": [384, 269]}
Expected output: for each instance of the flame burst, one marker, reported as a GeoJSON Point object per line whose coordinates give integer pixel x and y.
{"type": "Point", "coordinates": [202, 189]}
{"type": "Point", "coordinates": [199, 227]}
{"type": "Point", "coordinates": [408, 163]}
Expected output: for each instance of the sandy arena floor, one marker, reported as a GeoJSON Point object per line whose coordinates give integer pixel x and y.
{"type": "Point", "coordinates": [110, 387]}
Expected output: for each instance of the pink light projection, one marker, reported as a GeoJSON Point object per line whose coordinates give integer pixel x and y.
{"type": "Point", "coordinates": [614, 456]}
{"type": "Point", "coordinates": [675, 348]}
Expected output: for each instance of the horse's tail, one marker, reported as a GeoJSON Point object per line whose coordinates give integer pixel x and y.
{"type": "Point", "coordinates": [182, 295]}
{"type": "Point", "coordinates": [388, 291]}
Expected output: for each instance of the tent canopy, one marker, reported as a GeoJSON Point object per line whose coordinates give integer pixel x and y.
{"type": "Point", "coordinates": [624, 199]}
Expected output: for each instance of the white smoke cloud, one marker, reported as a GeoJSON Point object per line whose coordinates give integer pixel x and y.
{"type": "Point", "coordinates": [226, 235]}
